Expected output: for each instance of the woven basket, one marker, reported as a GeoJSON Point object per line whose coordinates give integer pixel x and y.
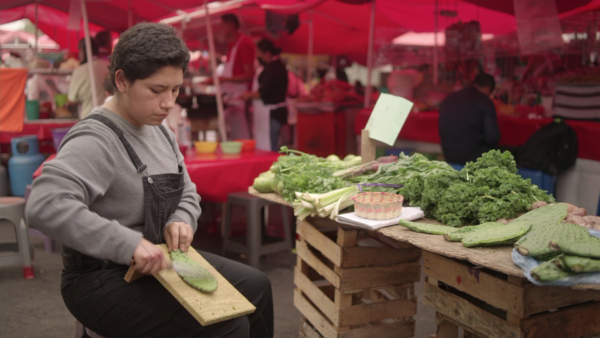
{"type": "Point", "coordinates": [378, 205]}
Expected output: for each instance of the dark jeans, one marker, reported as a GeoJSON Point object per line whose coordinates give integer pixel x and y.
{"type": "Point", "coordinates": [103, 302]}
{"type": "Point", "coordinates": [275, 132]}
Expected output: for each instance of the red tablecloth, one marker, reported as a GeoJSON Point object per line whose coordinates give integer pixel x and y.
{"type": "Point", "coordinates": [423, 127]}
{"type": "Point", "coordinates": [43, 130]}
{"type": "Point", "coordinates": [217, 175]}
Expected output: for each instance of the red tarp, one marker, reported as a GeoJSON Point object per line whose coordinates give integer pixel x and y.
{"type": "Point", "coordinates": [340, 28]}
{"type": "Point", "coordinates": [423, 127]}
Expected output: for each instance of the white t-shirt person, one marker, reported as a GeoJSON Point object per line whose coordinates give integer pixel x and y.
{"type": "Point", "coordinates": [80, 89]}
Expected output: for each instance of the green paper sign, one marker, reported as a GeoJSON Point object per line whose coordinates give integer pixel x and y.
{"type": "Point", "coordinates": [388, 117]}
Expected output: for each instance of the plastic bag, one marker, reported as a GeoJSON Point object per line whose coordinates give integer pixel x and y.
{"type": "Point", "coordinates": [528, 263]}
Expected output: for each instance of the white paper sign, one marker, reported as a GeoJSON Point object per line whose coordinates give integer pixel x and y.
{"type": "Point", "coordinates": [388, 117]}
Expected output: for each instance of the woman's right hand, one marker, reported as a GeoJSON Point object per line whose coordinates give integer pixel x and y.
{"type": "Point", "coordinates": [148, 259]}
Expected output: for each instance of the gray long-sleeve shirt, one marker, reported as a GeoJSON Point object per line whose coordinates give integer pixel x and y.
{"type": "Point", "coordinates": [91, 197]}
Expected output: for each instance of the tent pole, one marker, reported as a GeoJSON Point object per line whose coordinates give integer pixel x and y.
{"type": "Point", "coordinates": [88, 51]}
{"type": "Point", "coordinates": [213, 63]}
{"type": "Point", "coordinates": [129, 15]}
{"type": "Point", "coordinates": [435, 47]}
{"type": "Point", "coordinates": [36, 26]}
{"type": "Point", "coordinates": [370, 56]}
{"type": "Point", "coordinates": [311, 37]}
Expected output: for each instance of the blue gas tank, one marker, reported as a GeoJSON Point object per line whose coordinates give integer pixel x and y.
{"type": "Point", "coordinates": [26, 158]}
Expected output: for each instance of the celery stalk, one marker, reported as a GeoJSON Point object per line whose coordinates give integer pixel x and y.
{"type": "Point", "coordinates": [331, 197]}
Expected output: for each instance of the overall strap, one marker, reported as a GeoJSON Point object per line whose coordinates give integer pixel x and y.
{"type": "Point", "coordinates": [139, 166]}
{"type": "Point", "coordinates": [166, 134]}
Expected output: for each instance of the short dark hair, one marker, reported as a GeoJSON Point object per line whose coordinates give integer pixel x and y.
{"type": "Point", "coordinates": [266, 45]}
{"type": "Point", "coordinates": [104, 38]}
{"type": "Point", "coordinates": [93, 44]}
{"type": "Point", "coordinates": [145, 48]}
{"type": "Point", "coordinates": [484, 80]}
{"type": "Point", "coordinates": [231, 18]}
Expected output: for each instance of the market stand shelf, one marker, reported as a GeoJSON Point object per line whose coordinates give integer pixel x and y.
{"type": "Point", "coordinates": [352, 291]}
{"type": "Point", "coordinates": [488, 304]}
{"type": "Point", "coordinates": [345, 290]}
{"type": "Point", "coordinates": [478, 289]}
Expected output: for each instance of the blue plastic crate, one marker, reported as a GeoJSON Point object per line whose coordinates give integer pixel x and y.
{"type": "Point", "coordinates": [397, 151]}
{"type": "Point", "coordinates": [457, 167]}
{"type": "Point", "coordinates": [542, 180]}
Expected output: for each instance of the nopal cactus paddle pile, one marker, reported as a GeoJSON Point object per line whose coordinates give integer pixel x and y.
{"type": "Point", "coordinates": [497, 235]}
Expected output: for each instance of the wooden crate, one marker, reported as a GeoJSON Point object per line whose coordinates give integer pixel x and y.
{"type": "Point", "coordinates": [486, 303]}
{"type": "Point", "coordinates": [345, 290]}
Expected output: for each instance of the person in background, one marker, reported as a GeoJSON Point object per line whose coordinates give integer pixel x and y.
{"type": "Point", "coordinates": [109, 89]}
{"type": "Point", "coordinates": [272, 91]}
{"type": "Point", "coordinates": [80, 89]}
{"type": "Point", "coordinates": [467, 125]}
{"type": "Point", "coordinates": [238, 72]}
{"type": "Point", "coordinates": [104, 39]}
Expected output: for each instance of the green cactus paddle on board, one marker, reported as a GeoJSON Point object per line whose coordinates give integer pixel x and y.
{"type": "Point", "coordinates": [192, 273]}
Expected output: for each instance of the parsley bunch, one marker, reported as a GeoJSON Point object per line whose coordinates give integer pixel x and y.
{"type": "Point", "coordinates": [483, 191]}
{"type": "Point", "coordinates": [302, 172]}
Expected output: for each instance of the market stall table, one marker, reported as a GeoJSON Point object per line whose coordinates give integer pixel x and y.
{"type": "Point", "coordinates": [515, 131]}
{"type": "Point", "coordinates": [42, 129]}
{"type": "Point", "coordinates": [478, 289]}
{"type": "Point", "coordinates": [579, 185]}
{"type": "Point", "coordinates": [217, 175]}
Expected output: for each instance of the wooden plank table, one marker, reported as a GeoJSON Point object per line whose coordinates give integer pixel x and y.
{"type": "Point", "coordinates": [482, 291]}
{"type": "Point", "coordinates": [497, 258]}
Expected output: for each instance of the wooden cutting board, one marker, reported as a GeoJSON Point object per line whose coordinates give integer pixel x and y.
{"type": "Point", "coordinates": [208, 308]}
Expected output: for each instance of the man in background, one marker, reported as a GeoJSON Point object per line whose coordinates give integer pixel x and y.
{"type": "Point", "coordinates": [80, 89]}
{"type": "Point", "coordinates": [237, 75]}
{"type": "Point", "coordinates": [104, 40]}
{"type": "Point", "coordinates": [468, 126]}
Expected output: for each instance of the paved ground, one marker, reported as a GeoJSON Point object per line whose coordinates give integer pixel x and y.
{"type": "Point", "coordinates": [34, 308]}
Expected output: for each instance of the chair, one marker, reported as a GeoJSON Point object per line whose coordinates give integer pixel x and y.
{"type": "Point", "coordinates": [12, 209]}
{"type": "Point", "coordinates": [598, 208]}
{"type": "Point", "coordinates": [254, 248]}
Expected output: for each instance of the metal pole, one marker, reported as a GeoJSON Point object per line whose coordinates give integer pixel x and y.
{"type": "Point", "coordinates": [311, 36]}
{"type": "Point", "coordinates": [368, 90]}
{"type": "Point", "coordinates": [36, 26]}
{"type": "Point", "coordinates": [129, 14]}
{"type": "Point", "coordinates": [88, 52]}
{"type": "Point", "coordinates": [435, 47]}
{"type": "Point", "coordinates": [213, 63]}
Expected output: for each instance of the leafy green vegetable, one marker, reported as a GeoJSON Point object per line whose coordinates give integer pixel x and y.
{"type": "Point", "coordinates": [302, 172]}
{"type": "Point", "coordinates": [401, 171]}
{"type": "Point", "coordinates": [483, 191]}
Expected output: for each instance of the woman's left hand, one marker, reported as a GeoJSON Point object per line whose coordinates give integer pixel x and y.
{"type": "Point", "coordinates": [179, 235]}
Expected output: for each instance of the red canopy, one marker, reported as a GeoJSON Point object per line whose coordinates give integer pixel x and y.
{"type": "Point", "coordinates": [342, 28]}
{"type": "Point", "coordinates": [50, 21]}
{"type": "Point", "coordinates": [112, 15]}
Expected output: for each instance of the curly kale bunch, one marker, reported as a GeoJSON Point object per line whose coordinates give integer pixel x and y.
{"type": "Point", "coordinates": [483, 191]}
